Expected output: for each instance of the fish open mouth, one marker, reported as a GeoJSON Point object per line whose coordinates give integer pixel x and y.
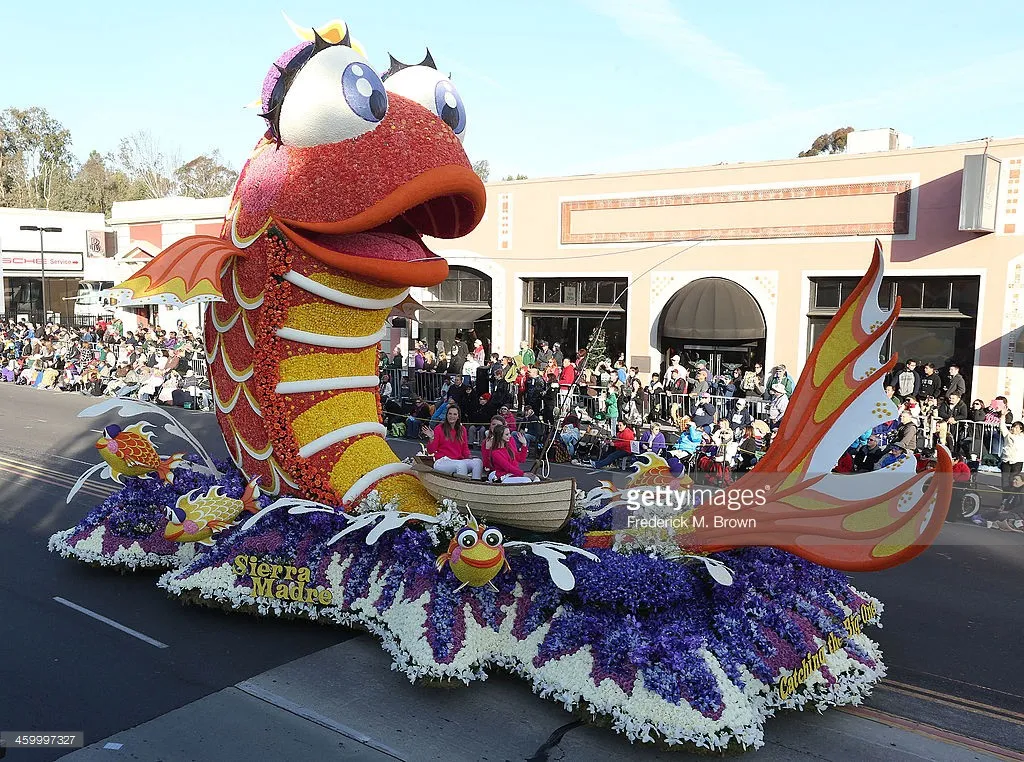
{"type": "Point", "coordinates": [384, 243]}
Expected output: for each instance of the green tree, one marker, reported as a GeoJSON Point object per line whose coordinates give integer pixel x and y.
{"type": "Point", "coordinates": [482, 169]}
{"type": "Point", "coordinates": [506, 178]}
{"type": "Point", "coordinates": [830, 142]}
{"type": "Point", "coordinates": [36, 162]}
{"type": "Point", "coordinates": [597, 349]}
{"type": "Point", "coordinates": [97, 185]}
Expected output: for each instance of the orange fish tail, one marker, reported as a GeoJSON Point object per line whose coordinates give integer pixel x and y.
{"type": "Point", "coordinates": [853, 522]}
{"type": "Point", "coordinates": [167, 465]}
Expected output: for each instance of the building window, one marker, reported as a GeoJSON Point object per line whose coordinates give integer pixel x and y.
{"type": "Point", "coordinates": [462, 286]}
{"type": "Point", "coordinates": [937, 323]}
{"type": "Point", "coordinates": [569, 310]}
{"type": "Point", "coordinates": [589, 292]}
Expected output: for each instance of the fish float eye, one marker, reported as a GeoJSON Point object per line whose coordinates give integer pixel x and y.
{"type": "Point", "coordinates": [364, 92]}
{"type": "Point", "coordinates": [449, 107]}
{"type": "Point", "coordinates": [435, 92]}
{"type": "Point", "coordinates": [492, 537]}
{"type": "Point", "coordinates": [111, 431]}
{"type": "Point", "coordinates": [335, 96]}
{"type": "Point", "coordinates": [467, 538]}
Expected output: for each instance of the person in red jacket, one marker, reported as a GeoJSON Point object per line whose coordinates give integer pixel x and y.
{"type": "Point", "coordinates": [507, 452]}
{"type": "Point", "coordinates": [450, 447]}
{"type": "Point", "coordinates": [622, 446]}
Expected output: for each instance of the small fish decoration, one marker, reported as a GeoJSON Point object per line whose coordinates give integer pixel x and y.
{"type": "Point", "coordinates": [130, 452]}
{"type": "Point", "coordinates": [196, 518]}
{"type": "Point", "coordinates": [476, 555]}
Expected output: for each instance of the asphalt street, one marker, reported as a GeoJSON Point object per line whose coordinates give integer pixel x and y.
{"type": "Point", "coordinates": [951, 637]}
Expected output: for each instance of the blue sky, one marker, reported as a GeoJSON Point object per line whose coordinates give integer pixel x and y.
{"type": "Point", "coordinates": [551, 88]}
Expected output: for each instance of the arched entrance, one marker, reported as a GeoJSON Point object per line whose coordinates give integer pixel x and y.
{"type": "Point", "coordinates": [714, 320]}
{"type": "Point", "coordinates": [461, 304]}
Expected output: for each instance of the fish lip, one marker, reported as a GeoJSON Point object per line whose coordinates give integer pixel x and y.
{"type": "Point", "coordinates": [453, 185]}
{"type": "Point", "coordinates": [481, 564]}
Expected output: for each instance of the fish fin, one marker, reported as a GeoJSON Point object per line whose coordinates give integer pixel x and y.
{"type": "Point", "coordinates": [140, 430]}
{"type": "Point", "coordinates": [442, 560]}
{"type": "Point", "coordinates": [186, 272]}
{"type": "Point", "coordinates": [492, 586]}
{"type": "Point", "coordinates": [252, 491]}
{"type": "Point", "coordinates": [167, 464]}
{"type": "Point", "coordinates": [218, 526]}
{"type": "Point", "coordinates": [461, 586]}
{"type": "Point", "coordinates": [854, 522]}
{"type": "Point", "coordinates": [208, 542]}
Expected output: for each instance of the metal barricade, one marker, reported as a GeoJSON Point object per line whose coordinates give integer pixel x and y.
{"type": "Point", "coordinates": [198, 365]}
{"type": "Point", "coordinates": [985, 439]}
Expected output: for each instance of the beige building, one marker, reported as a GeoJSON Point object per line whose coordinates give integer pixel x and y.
{"type": "Point", "coordinates": [731, 263]}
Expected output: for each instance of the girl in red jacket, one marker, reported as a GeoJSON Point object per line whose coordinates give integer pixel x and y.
{"type": "Point", "coordinates": [450, 447]}
{"type": "Point", "coordinates": [507, 452]}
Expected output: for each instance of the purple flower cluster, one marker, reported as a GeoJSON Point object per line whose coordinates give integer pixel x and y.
{"type": "Point", "coordinates": [641, 618]}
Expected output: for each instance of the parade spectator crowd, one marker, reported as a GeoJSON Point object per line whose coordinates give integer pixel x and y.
{"type": "Point", "coordinates": [149, 364]}
{"type": "Point", "coordinates": [604, 413]}
{"type": "Point", "coordinates": [595, 412]}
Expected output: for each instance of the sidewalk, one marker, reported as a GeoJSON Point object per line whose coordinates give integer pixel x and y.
{"type": "Point", "coordinates": [345, 703]}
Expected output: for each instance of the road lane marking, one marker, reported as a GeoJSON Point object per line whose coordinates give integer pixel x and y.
{"type": "Point", "coordinates": [73, 460]}
{"type": "Point", "coordinates": [61, 484]}
{"type": "Point", "coordinates": [15, 462]}
{"type": "Point", "coordinates": [53, 478]}
{"type": "Point", "coordinates": [111, 622]}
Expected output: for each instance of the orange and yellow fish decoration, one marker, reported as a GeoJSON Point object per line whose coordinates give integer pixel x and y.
{"type": "Point", "coordinates": [196, 518]}
{"type": "Point", "coordinates": [324, 238]}
{"type": "Point", "coordinates": [130, 452]}
{"type": "Point", "coordinates": [476, 555]}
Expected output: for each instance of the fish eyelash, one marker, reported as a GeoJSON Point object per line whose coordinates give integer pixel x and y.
{"type": "Point", "coordinates": [287, 74]}
{"type": "Point", "coordinates": [396, 66]}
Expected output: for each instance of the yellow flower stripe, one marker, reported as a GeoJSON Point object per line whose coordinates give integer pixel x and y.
{"type": "Point", "coordinates": [342, 409]}
{"type": "Point", "coordinates": [411, 494]}
{"type": "Point", "coordinates": [335, 320]}
{"type": "Point", "coordinates": [330, 365]}
{"type": "Point", "coordinates": [353, 287]}
{"type": "Point", "coordinates": [362, 456]}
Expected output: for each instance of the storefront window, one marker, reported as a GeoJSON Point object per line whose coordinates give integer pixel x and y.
{"type": "Point", "coordinates": [589, 292]}
{"type": "Point", "coordinates": [941, 329]}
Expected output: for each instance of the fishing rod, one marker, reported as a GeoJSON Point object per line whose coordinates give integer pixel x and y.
{"type": "Point", "coordinates": [542, 464]}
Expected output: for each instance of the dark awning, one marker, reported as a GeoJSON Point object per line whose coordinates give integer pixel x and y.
{"type": "Point", "coordinates": [450, 317]}
{"type": "Point", "coordinates": [712, 308]}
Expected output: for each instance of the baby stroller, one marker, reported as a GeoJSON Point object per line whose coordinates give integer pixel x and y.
{"type": "Point", "coordinates": [966, 501]}
{"type": "Point", "coordinates": [714, 464]}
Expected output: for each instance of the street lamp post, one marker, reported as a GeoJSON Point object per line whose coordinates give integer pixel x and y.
{"type": "Point", "coordinates": [42, 258]}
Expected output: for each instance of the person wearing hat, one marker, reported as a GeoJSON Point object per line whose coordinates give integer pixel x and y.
{"type": "Point", "coordinates": [779, 375]}
{"type": "Point", "coordinates": [704, 413]}
{"type": "Point", "coordinates": [779, 403]}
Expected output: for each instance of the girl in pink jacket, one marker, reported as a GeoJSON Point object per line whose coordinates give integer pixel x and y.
{"type": "Point", "coordinates": [506, 453]}
{"type": "Point", "coordinates": [450, 447]}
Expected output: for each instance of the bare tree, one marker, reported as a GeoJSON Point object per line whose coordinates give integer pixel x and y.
{"type": "Point", "coordinates": [206, 176]}
{"type": "Point", "coordinates": [144, 160]}
{"type": "Point", "coordinates": [482, 169]}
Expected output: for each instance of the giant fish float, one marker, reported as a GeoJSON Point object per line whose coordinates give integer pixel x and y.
{"type": "Point", "coordinates": [697, 638]}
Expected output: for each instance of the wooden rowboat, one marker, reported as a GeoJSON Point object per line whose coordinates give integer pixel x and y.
{"type": "Point", "coordinates": [538, 507]}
